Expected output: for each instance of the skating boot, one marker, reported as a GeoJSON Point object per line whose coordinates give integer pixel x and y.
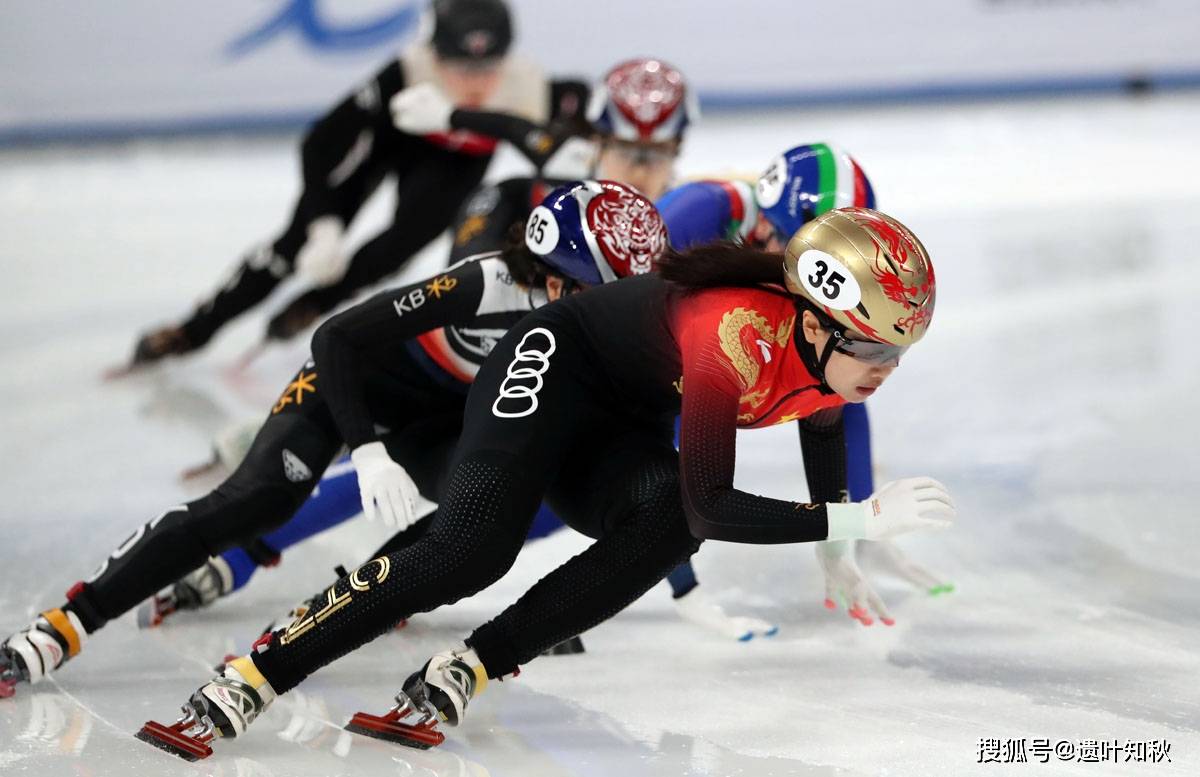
{"type": "Point", "coordinates": [695, 606]}
{"type": "Point", "coordinates": [199, 589]}
{"type": "Point", "coordinates": [298, 315]}
{"type": "Point", "coordinates": [41, 647]}
{"type": "Point", "coordinates": [223, 707]}
{"type": "Point", "coordinates": [230, 446]}
{"type": "Point", "coordinates": [440, 691]}
{"type": "Point", "coordinates": [152, 347]}
{"type": "Point", "coordinates": [10, 675]}
{"type": "Point", "coordinates": [567, 647]}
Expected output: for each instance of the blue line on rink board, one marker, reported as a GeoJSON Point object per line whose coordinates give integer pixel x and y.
{"type": "Point", "coordinates": [712, 101]}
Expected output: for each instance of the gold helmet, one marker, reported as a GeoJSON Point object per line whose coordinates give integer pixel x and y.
{"type": "Point", "coordinates": [868, 273]}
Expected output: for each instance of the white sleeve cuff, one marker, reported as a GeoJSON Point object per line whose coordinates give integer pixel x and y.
{"type": "Point", "coordinates": [369, 453]}
{"type": "Point", "coordinates": [847, 520]}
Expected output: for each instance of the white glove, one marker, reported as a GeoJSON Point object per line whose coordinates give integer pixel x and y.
{"type": "Point", "coordinates": [845, 582]}
{"type": "Point", "coordinates": [387, 490]}
{"type": "Point", "coordinates": [421, 109]}
{"type": "Point", "coordinates": [695, 606]}
{"type": "Point", "coordinates": [898, 507]}
{"type": "Point", "coordinates": [886, 556]}
{"type": "Point", "coordinates": [321, 260]}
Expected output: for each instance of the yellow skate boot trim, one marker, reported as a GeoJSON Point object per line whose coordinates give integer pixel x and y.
{"type": "Point", "coordinates": [246, 668]}
{"type": "Point", "coordinates": [62, 624]}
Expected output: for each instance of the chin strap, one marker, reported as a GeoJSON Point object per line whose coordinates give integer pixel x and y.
{"type": "Point", "coordinates": [814, 362]}
{"type": "Point", "coordinates": [828, 352]}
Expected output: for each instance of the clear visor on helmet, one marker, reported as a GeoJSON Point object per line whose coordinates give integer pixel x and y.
{"type": "Point", "coordinates": [631, 152]}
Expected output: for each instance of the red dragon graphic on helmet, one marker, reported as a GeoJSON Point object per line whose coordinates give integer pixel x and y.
{"type": "Point", "coordinates": [628, 230]}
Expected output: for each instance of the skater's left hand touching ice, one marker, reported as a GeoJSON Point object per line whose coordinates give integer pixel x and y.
{"type": "Point", "coordinates": [887, 557]}
{"type": "Point", "coordinates": [845, 583]}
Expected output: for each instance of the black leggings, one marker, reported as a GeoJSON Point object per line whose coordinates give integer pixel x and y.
{"type": "Point", "coordinates": [606, 475]}
{"type": "Point", "coordinates": [284, 464]}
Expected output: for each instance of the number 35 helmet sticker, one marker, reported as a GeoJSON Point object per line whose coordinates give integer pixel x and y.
{"type": "Point", "coordinates": [865, 270]}
{"type": "Point", "coordinates": [828, 280]}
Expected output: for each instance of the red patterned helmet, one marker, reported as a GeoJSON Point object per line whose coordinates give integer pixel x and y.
{"type": "Point", "coordinates": [642, 100]}
{"type": "Point", "coordinates": [596, 231]}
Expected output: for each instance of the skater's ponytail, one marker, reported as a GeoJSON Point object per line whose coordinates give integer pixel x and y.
{"type": "Point", "coordinates": [721, 264]}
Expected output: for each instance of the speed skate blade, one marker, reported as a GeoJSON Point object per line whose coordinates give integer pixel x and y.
{"type": "Point", "coordinates": [151, 613]}
{"type": "Point", "coordinates": [174, 741]}
{"type": "Point", "coordinates": [389, 729]}
{"type": "Point", "coordinates": [200, 470]}
{"type": "Point", "coordinates": [248, 357]}
{"type": "Point", "coordinates": [566, 648]}
{"type": "Point", "coordinates": [10, 674]}
{"type": "Point", "coordinates": [120, 371]}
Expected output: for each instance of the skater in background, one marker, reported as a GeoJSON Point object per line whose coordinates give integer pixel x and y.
{"type": "Point", "coordinates": [639, 114]}
{"type": "Point", "coordinates": [818, 178]}
{"type": "Point", "coordinates": [405, 358]}
{"type": "Point", "coordinates": [576, 405]}
{"type": "Point", "coordinates": [347, 153]}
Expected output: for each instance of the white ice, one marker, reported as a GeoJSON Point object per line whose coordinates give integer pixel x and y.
{"type": "Point", "coordinates": [1056, 395]}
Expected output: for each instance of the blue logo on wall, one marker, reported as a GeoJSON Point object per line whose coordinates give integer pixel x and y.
{"type": "Point", "coordinates": [320, 34]}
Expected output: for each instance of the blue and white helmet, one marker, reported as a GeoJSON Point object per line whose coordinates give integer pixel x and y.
{"type": "Point", "coordinates": [807, 181]}
{"type": "Point", "coordinates": [594, 232]}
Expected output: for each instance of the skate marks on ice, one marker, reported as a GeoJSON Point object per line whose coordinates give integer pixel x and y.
{"type": "Point", "coordinates": [912, 700]}
{"type": "Point", "coordinates": [539, 728]}
{"type": "Point", "coordinates": [49, 731]}
{"type": "Point", "coordinates": [519, 732]}
{"type": "Point", "coordinates": [83, 720]}
{"type": "Point", "coordinates": [1119, 653]}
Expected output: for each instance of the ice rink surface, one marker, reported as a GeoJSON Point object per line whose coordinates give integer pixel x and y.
{"type": "Point", "coordinates": [1056, 395]}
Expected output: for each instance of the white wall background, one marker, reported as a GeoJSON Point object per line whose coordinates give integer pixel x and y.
{"type": "Point", "coordinates": [74, 69]}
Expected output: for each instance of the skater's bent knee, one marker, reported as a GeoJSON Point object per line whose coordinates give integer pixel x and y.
{"type": "Point", "coordinates": [222, 521]}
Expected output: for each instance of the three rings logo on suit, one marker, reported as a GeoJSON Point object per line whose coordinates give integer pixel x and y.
{"type": "Point", "coordinates": [524, 379]}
